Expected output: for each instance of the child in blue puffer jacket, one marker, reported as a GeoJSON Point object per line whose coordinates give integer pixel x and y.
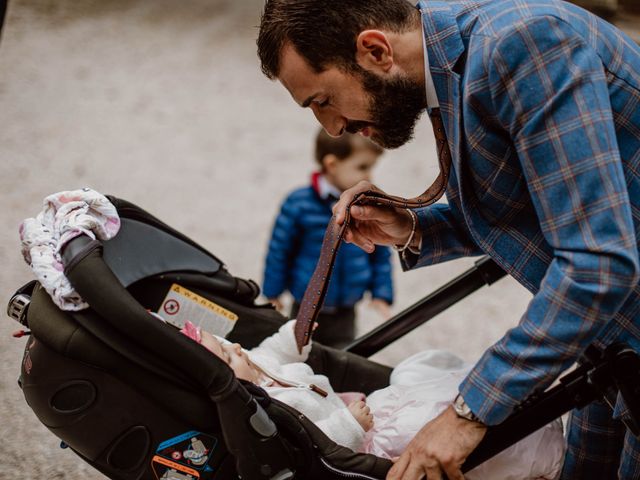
{"type": "Point", "coordinates": [297, 237]}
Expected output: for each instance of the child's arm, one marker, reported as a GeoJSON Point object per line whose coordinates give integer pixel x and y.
{"type": "Point", "coordinates": [282, 246]}
{"type": "Point", "coordinates": [281, 346]}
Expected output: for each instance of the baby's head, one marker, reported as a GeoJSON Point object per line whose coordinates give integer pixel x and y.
{"type": "Point", "coordinates": [230, 353]}
{"type": "Point", "coordinates": [346, 160]}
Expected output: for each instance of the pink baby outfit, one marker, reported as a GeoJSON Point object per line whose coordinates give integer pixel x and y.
{"type": "Point", "coordinates": [422, 387]}
{"type": "Point", "coordinates": [290, 380]}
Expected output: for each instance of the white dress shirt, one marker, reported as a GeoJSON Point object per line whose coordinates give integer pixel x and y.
{"type": "Point", "coordinates": [432, 98]}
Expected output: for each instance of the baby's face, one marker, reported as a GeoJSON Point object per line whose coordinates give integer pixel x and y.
{"type": "Point", "coordinates": [232, 355]}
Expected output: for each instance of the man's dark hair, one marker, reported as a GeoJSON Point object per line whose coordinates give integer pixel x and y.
{"type": "Point", "coordinates": [324, 32]}
{"type": "Point", "coordinates": [343, 146]}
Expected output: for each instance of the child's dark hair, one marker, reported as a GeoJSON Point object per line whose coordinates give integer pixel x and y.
{"type": "Point", "coordinates": [343, 146]}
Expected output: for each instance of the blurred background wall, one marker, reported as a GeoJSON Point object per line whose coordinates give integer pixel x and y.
{"type": "Point", "coordinates": [162, 103]}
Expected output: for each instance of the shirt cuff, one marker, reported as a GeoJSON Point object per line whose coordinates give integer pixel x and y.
{"type": "Point", "coordinates": [490, 406]}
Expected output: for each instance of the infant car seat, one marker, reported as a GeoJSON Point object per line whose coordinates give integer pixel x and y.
{"type": "Point", "coordinates": [138, 400]}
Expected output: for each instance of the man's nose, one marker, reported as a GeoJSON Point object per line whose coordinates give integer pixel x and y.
{"type": "Point", "coordinates": [334, 124]}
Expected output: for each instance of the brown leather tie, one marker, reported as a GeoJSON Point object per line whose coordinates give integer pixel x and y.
{"type": "Point", "coordinates": [317, 288]}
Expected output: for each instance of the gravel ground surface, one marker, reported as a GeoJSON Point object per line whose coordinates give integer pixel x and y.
{"type": "Point", "coordinates": [162, 103]}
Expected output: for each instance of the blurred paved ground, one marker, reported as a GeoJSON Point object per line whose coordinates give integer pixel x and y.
{"type": "Point", "coordinates": [630, 23]}
{"type": "Point", "coordinates": [162, 103]}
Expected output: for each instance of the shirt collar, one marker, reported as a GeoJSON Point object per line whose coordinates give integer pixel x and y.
{"type": "Point", "coordinates": [326, 189]}
{"type": "Point", "coordinates": [432, 97]}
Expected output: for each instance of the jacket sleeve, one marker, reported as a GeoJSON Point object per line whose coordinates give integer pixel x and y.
{"type": "Point", "coordinates": [444, 238]}
{"type": "Point", "coordinates": [381, 282]}
{"type": "Point", "coordinates": [281, 346]}
{"type": "Point", "coordinates": [281, 249]}
{"type": "Point", "coordinates": [550, 94]}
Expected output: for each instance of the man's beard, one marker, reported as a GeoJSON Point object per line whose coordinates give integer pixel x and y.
{"type": "Point", "coordinates": [395, 106]}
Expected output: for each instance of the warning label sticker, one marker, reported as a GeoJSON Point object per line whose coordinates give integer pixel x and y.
{"type": "Point", "coordinates": [181, 305]}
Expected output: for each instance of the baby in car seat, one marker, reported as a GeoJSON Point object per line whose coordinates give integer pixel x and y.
{"type": "Point", "coordinates": [276, 366]}
{"type": "Point", "coordinates": [422, 386]}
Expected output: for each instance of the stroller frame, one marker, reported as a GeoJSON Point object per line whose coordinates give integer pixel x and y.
{"type": "Point", "coordinates": [599, 376]}
{"type": "Point", "coordinates": [277, 443]}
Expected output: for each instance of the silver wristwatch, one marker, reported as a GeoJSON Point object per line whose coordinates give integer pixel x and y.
{"type": "Point", "coordinates": [463, 410]}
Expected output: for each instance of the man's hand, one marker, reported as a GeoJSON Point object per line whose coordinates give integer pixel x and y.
{"type": "Point", "coordinates": [373, 225]}
{"type": "Point", "coordinates": [441, 446]}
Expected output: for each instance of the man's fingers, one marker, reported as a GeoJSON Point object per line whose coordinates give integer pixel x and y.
{"type": "Point", "coordinates": [359, 212]}
{"type": "Point", "coordinates": [407, 467]}
{"type": "Point", "coordinates": [354, 236]}
{"type": "Point", "coordinates": [399, 466]}
{"type": "Point", "coordinates": [340, 208]}
{"type": "Point", "coordinates": [432, 473]}
{"type": "Point", "coordinates": [417, 471]}
{"type": "Point", "coordinates": [371, 213]}
{"type": "Point", "coordinates": [453, 471]}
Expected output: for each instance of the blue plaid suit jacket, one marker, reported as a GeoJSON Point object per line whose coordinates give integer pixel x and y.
{"type": "Point", "coordinates": [541, 106]}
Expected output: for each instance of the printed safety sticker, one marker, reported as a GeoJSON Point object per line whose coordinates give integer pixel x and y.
{"type": "Point", "coordinates": [181, 305]}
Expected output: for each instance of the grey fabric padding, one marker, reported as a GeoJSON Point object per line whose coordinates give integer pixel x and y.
{"type": "Point", "coordinates": [141, 251]}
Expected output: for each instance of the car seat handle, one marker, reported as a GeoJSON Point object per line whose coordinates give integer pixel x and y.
{"type": "Point", "coordinates": [92, 278]}
{"type": "Point", "coordinates": [268, 457]}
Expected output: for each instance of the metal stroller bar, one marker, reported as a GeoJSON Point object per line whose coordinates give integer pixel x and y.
{"type": "Point", "coordinates": [599, 375]}
{"type": "Point", "coordinates": [484, 272]}
{"type": "Point", "coordinates": [3, 11]}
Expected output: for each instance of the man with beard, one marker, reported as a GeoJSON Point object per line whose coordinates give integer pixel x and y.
{"type": "Point", "coordinates": [540, 102]}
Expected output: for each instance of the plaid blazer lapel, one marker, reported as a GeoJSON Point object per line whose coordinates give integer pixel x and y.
{"type": "Point", "coordinates": [444, 47]}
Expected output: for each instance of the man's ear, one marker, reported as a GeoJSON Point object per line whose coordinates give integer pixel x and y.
{"type": "Point", "coordinates": [374, 51]}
